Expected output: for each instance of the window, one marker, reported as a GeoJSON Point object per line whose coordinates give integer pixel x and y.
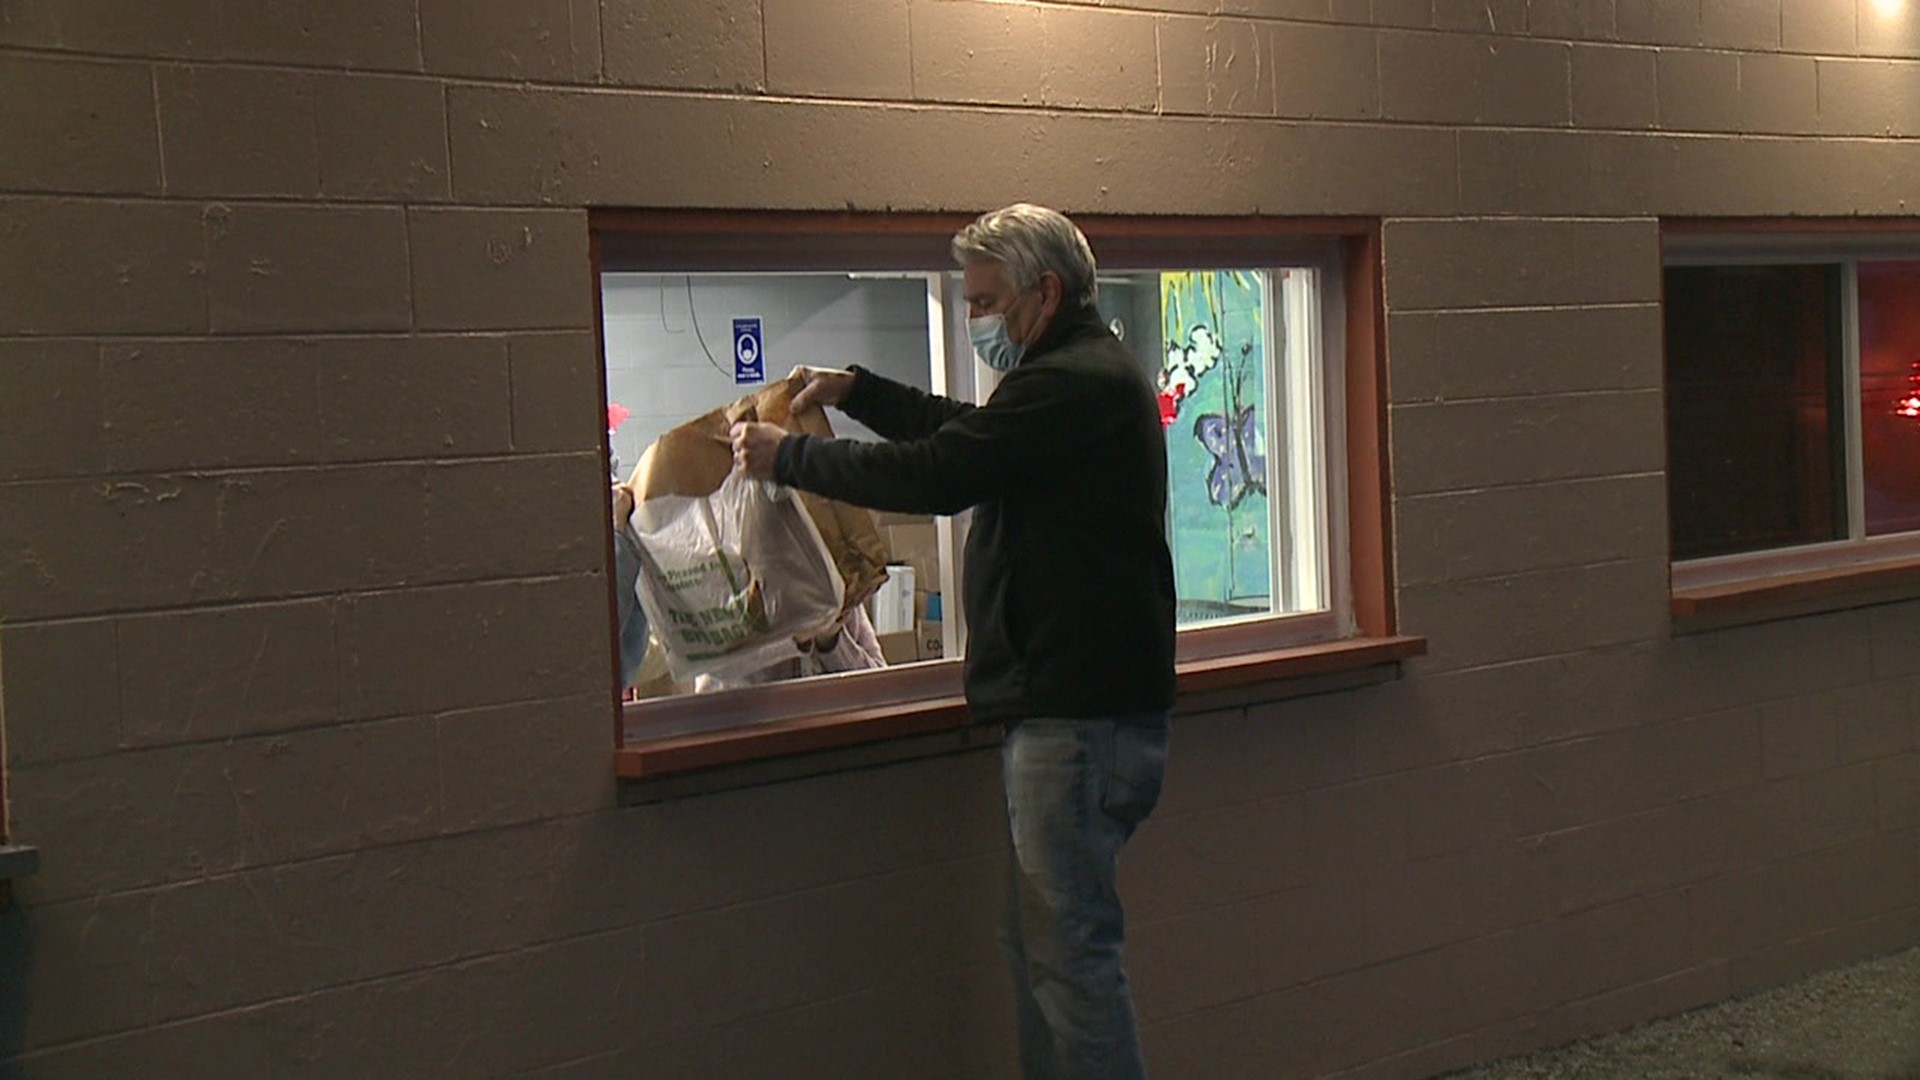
{"type": "Point", "coordinates": [669, 342]}
{"type": "Point", "coordinates": [1236, 354]}
{"type": "Point", "coordinates": [1793, 403]}
{"type": "Point", "coordinates": [1265, 400]}
{"type": "Point", "coordinates": [1755, 415]}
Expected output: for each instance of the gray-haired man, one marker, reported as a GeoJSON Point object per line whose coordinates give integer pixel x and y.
{"type": "Point", "coordinates": [1068, 592]}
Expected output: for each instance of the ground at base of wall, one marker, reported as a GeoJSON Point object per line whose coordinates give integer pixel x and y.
{"type": "Point", "coordinates": [1857, 1023]}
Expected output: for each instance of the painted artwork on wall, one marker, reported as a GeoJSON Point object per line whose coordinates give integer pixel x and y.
{"type": "Point", "coordinates": [1213, 404]}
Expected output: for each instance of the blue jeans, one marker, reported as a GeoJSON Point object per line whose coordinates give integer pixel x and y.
{"type": "Point", "coordinates": [1076, 790]}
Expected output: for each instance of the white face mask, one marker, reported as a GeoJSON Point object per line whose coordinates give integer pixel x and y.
{"type": "Point", "coordinates": [992, 343]}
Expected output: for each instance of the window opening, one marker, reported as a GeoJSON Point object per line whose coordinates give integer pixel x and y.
{"type": "Point", "coordinates": [1247, 360]}
{"type": "Point", "coordinates": [1793, 406]}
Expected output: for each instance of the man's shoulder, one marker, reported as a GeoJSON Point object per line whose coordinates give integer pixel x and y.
{"type": "Point", "coordinates": [1102, 356]}
{"type": "Point", "coordinates": [1099, 366]}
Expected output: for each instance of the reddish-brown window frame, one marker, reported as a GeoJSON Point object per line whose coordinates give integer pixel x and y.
{"type": "Point", "coordinates": [926, 698]}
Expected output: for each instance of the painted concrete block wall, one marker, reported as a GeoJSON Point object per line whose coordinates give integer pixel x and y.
{"type": "Point", "coordinates": [303, 635]}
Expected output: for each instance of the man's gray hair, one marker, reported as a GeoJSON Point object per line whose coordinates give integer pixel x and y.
{"type": "Point", "coordinates": [1031, 240]}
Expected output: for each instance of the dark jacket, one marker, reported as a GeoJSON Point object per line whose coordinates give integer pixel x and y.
{"type": "Point", "coordinates": [1068, 584]}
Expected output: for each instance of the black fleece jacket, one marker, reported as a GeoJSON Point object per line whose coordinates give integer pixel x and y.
{"type": "Point", "coordinates": [1068, 583]}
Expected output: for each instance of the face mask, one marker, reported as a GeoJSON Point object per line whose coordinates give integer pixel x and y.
{"type": "Point", "coordinates": [990, 341]}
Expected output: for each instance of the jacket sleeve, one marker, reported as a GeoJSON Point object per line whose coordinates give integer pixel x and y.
{"type": "Point", "coordinates": [979, 454]}
{"type": "Point", "coordinates": [895, 410]}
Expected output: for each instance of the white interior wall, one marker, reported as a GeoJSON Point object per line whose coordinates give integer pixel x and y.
{"type": "Point", "coordinates": [659, 367]}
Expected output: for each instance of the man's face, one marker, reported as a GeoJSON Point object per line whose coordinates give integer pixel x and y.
{"type": "Point", "coordinates": [989, 291]}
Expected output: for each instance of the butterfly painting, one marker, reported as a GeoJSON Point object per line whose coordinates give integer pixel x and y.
{"type": "Point", "coordinates": [1239, 468]}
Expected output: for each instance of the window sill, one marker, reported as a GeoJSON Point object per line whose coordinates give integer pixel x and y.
{"type": "Point", "coordinates": [841, 740]}
{"type": "Point", "coordinates": [18, 861]}
{"type": "Point", "coordinates": [1301, 661]}
{"type": "Point", "coordinates": [1738, 603]}
{"type": "Point", "coordinates": [780, 738]}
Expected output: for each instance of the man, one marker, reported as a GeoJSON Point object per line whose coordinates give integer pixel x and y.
{"type": "Point", "coordinates": [1068, 592]}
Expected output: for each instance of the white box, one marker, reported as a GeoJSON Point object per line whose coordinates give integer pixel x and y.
{"type": "Point", "coordinates": [893, 602]}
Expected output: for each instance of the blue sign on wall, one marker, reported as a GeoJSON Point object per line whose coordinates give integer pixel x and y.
{"type": "Point", "coordinates": [749, 362]}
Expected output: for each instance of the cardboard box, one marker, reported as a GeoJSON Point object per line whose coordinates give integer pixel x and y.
{"type": "Point", "coordinates": [916, 545]}
{"type": "Point", "coordinates": [923, 642]}
{"type": "Point", "coordinates": [883, 518]}
{"type": "Point", "coordinates": [900, 647]}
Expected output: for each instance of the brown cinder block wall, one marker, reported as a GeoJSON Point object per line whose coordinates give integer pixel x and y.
{"type": "Point", "coordinates": [302, 602]}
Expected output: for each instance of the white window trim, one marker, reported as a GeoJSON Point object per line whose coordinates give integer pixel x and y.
{"type": "Point", "coordinates": [1327, 492]}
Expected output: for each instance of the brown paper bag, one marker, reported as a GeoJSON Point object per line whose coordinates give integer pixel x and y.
{"type": "Point", "coordinates": [695, 457]}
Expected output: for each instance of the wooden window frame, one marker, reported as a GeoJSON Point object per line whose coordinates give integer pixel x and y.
{"type": "Point", "coordinates": [1859, 572]}
{"type": "Point", "coordinates": [809, 716]}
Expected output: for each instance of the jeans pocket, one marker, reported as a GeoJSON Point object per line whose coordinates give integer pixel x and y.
{"type": "Point", "coordinates": [1138, 769]}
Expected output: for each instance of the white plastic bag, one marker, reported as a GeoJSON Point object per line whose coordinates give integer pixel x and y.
{"type": "Point", "coordinates": [728, 580]}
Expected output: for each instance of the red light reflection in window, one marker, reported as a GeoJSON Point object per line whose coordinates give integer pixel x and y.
{"type": "Point", "coordinates": [1910, 405]}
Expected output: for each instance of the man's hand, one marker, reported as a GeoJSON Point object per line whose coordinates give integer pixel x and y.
{"type": "Point", "coordinates": [755, 446]}
{"type": "Point", "coordinates": [819, 386]}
